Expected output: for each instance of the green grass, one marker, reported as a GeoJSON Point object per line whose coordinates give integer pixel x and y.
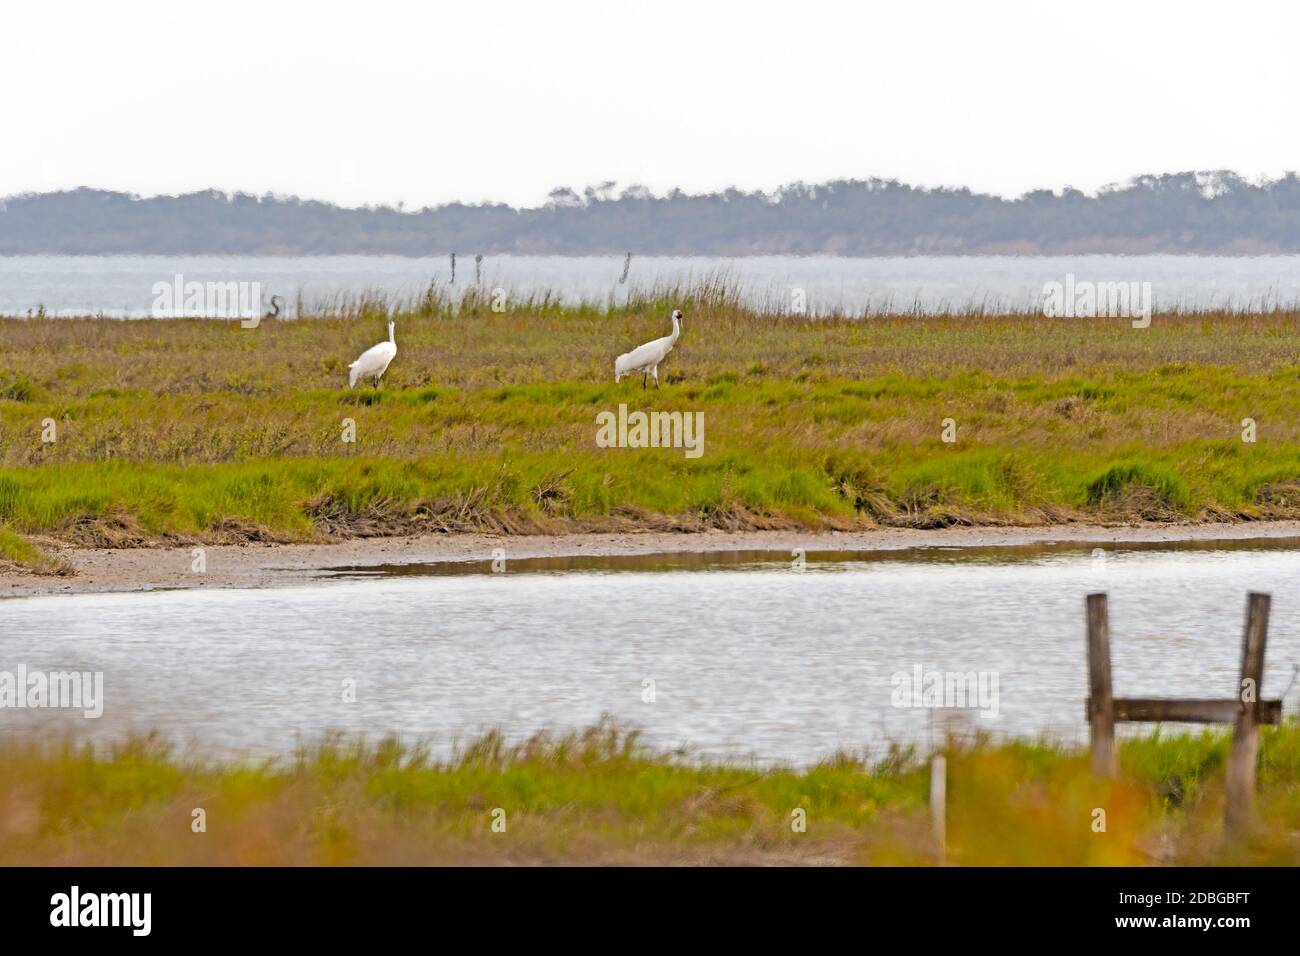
{"type": "Point", "coordinates": [22, 554]}
{"type": "Point", "coordinates": [601, 797]}
{"type": "Point", "coordinates": [201, 430]}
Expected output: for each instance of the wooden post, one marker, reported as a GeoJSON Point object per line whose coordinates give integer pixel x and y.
{"type": "Point", "coordinates": [1240, 785]}
{"type": "Point", "coordinates": [1245, 710]}
{"type": "Point", "coordinates": [1101, 700]}
{"type": "Point", "coordinates": [939, 803]}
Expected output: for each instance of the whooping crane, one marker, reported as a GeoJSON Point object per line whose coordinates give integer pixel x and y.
{"type": "Point", "coordinates": [646, 358]}
{"type": "Point", "coordinates": [373, 362]}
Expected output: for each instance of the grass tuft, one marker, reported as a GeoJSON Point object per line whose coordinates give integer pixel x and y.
{"type": "Point", "coordinates": [23, 555]}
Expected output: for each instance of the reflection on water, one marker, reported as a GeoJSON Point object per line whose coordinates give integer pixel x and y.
{"type": "Point", "coordinates": [744, 653]}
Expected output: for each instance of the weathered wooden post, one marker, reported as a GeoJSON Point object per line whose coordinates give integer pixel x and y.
{"type": "Point", "coordinates": [1101, 702]}
{"type": "Point", "coordinates": [1245, 711]}
{"type": "Point", "coordinates": [1240, 786]}
{"type": "Point", "coordinates": [939, 803]}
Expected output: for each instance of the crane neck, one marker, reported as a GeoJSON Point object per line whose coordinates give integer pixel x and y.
{"type": "Point", "coordinates": [390, 333]}
{"type": "Point", "coordinates": [677, 328]}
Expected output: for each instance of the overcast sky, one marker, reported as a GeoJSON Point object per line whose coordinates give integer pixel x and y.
{"type": "Point", "coordinates": [428, 102]}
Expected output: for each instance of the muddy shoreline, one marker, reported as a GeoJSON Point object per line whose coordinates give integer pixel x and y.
{"type": "Point", "coordinates": [279, 565]}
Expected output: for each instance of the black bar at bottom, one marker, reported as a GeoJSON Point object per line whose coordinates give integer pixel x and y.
{"type": "Point", "coordinates": [216, 906]}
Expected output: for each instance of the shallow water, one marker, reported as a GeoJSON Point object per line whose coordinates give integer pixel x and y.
{"type": "Point", "coordinates": [749, 657]}
{"type": "Point", "coordinates": [122, 286]}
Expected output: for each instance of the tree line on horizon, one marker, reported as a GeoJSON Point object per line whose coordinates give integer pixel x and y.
{"type": "Point", "coordinates": [1192, 212]}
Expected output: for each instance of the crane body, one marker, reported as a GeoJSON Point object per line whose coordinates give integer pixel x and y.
{"type": "Point", "coordinates": [646, 358]}
{"type": "Point", "coordinates": [373, 362]}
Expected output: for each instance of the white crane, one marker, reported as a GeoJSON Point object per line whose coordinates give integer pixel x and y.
{"type": "Point", "coordinates": [373, 362]}
{"type": "Point", "coordinates": [646, 358]}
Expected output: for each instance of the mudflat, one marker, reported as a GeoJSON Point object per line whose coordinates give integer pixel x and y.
{"type": "Point", "coordinates": [275, 565]}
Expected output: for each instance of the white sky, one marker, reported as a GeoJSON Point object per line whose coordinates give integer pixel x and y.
{"type": "Point", "coordinates": [428, 102]}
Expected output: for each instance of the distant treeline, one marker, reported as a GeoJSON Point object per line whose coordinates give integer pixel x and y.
{"type": "Point", "coordinates": [1216, 212]}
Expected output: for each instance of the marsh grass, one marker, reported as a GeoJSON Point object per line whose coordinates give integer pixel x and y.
{"type": "Point", "coordinates": [201, 430]}
{"type": "Point", "coordinates": [19, 553]}
{"type": "Point", "coordinates": [601, 796]}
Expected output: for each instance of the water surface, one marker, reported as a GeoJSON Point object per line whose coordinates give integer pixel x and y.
{"type": "Point", "coordinates": [748, 655]}
{"type": "Point", "coordinates": [121, 286]}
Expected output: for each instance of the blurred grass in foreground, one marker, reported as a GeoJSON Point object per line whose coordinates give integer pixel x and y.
{"type": "Point", "coordinates": [599, 797]}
